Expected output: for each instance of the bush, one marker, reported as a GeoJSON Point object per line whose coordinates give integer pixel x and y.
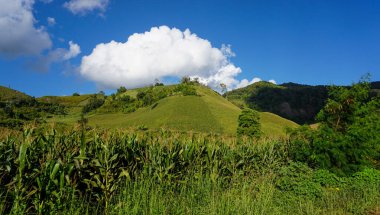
{"type": "Point", "coordinates": [297, 178]}
{"type": "Point", "coordinates": [249, 123]}
{"type": "Point", "coordinates": [121, 90]}
{"type": "Point", "coordinates": [347, 138]}
{"type": "Point", "coordinates": [93, 104]}
{"type": "Point", "coordinates": [186, 89]}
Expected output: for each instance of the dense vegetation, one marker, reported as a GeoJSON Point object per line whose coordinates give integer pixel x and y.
{"type": "Point", "coordinates": [249, 124]}
{"type": "Point", "coordinates": [17, 108]}
{"type": "Point", "coordinates": [330, 169]}
{"type": "Point", "coordinates": [153, 173]}
{"type": "Point", "coordinates": [348, 137]}
{"type": "Point", "coordinates": [299, 103]}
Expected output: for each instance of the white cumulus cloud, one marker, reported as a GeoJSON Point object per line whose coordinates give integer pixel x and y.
{"type": "Point", "coordinates": [18, 33]}
{"type": "Point", "coordinates": [85, 6]}
{"type": "Point", "coordinates": [159, 53]}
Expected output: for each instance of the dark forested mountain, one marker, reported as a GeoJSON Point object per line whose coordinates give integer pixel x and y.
{"type": "Point", "coordinates": [297, 102]}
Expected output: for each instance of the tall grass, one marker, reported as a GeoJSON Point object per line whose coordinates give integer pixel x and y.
{"type": "Point", "coordinates": [114, 172]}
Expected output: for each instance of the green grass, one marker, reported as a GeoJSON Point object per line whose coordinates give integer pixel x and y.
{"type": "Point", "coordinates": [133, 92]}
{"type": "Point", "coordinates": [11, 94]}
{"type": "Point", "coordinates": [207, 112]}
{"type": "Point", "coordinates": [69, 101]}
{"type": "Point", "coordinates": [274, 125]}
{"type": "Point", "coordinates": [177, 112]}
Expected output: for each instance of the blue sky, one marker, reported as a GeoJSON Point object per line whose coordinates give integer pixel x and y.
{"type": "Point", "coordinates": [303, 41]}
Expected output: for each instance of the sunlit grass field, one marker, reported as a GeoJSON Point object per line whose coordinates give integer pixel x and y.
{"type": "Point", "coordinates": [206, 112]}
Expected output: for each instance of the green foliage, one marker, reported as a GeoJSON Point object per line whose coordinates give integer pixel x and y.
{"type": "Point", "coordinates": [43, 171]}
{"type": "Point", "coordinates": [93, 103]}
{"type": "Point", "coordinates": [76, 94]}
{"type": "Point", "coordinates": [16, 113]}
{"type": "Point", "coordinates": [121, 90]}
{"type": "Point", "coordinates": [297, 178]}
{"type": "Point", "coordinates": [185, 80]}
{"type": "Point", "coordinates": [249, 123]}
{"type": "Point", "coordinates": [347, 138]}
{"type": "Point", "coordinates": [83, 121]}
{"type": "Point", "coordinates": [186, 89]}
{"type": "Point", "coordinates": [112, 172]}
{"type": "Point", "coordinates": [297, 102]}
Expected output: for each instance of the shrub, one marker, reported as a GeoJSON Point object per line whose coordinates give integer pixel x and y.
{"type": "Point", "coordinates": [186, 89]}
{"type": "Point", "coordinates": [347, 138]}
{"type": "Point", "coordinates": [93, 104]}
{"type": "Point", "coordinates": [121, 90]}
{"type": "Point", "coordinates": [297, 178]}
{"type": "Point", "coordinates": [249, 123]}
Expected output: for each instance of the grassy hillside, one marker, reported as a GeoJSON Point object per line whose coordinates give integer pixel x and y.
{"type": "Point", "coordinates": [7, 94]}
{"type": "Point", "coordinates": [69, 101]}
{"type": "Point", "coordinates": [206, 112]}
{"type": "Point", "coordinates": [17, 109]}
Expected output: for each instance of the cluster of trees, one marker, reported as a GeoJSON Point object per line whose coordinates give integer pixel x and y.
{"type": "Point", "coordinates": [297, 102]}
{"type": "Point", "coordinates": [121, 101]}
{"type": "Point", "coordinates": [15, 113]}
{"type": "Point", "coordinates": [347, 138]}
{"type": "Point", "coordinates": [94, 102]}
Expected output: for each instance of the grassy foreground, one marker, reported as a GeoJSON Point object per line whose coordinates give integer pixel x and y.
{"type": "Point", "coordinates": [113, 172]}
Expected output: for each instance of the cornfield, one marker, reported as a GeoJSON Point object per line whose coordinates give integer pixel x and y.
{"type": "Point", "coordinates": [115, 172]}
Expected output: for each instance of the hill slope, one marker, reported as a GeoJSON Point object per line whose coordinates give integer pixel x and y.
{"type": "Point", "coordinates": [206, 112]}
{"type": "Point", "coordinates": [7, 94]}
{"type": "Point", "coordinates": [297, 102]}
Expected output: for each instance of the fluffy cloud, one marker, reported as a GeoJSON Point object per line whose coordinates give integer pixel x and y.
{"type": "Point", "coordinates": [73, 51]}
{"type": "Point", "coordinates": [51, 21]}
{"type": "Point", "coordinates": [18, 34]}
{"type": "Point", "coordinates": [56, 55]}
{"type": "Point", "coordinates": [245, 82]}
{"type": "Point", "coordinates": [272, 81]}
{"type": "Point", "coordinates": [159, 53]}
{"type": "Point", "coordinates": [84, 6]}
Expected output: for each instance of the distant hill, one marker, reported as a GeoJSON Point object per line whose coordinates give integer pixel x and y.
{"type": "Point", "coordinates": [206, 112]}
{"type": "Point", "coordinates": [296, 102]}
{"type": "Point", "coordinates": [17, 108]}
{"type": "Point", "coordinates": [8, 94]}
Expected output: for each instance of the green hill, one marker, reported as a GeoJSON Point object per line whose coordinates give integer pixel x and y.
{"type": "Point", "coordinates": [17, 108]}
{"type": "Point", "coordinates": [8, 94]}
{"type": "Point", "coordinates": [69, 101]}
{"type": "Point", "coordinates": [206, 112]}
{"type": "Point", "coordinates": [297, 102]}
{"type": "Point", "coordinates": [73, 104]}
